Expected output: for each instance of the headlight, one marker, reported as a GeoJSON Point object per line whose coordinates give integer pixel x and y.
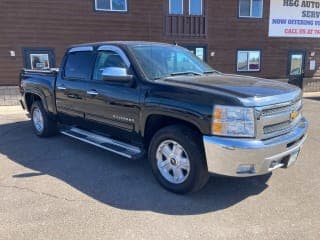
{"type": "Point", "coordinates": [298, 105]}
{"type": "Point", "coordinates": [233, 121]}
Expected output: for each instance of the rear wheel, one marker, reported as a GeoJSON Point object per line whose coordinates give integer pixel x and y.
{"type": "Point", "coordinates": [177, 159]}
{"type": "Point", "coordinates": [42, 124]}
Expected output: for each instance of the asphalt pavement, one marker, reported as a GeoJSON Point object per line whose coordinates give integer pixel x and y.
{"type": "Point", "coordinates": [59, 188]}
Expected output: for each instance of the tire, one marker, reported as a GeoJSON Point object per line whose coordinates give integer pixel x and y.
{"type": "Point", "coordinates": [190, 164]}
{"type": "Point", "coordinates": [43, 126]}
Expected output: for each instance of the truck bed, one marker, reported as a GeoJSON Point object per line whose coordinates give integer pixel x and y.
{"type": "Point", "coordinates": [42, 83]}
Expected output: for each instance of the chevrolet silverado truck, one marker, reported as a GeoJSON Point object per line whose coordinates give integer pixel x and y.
{"type": "Point", "coordinates": [158, 100]}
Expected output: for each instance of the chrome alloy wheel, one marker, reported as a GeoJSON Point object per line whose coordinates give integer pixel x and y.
{"type": "Point", "coordinates": [37, 119]}
{"type": "Point", "coordinates": [173, 162]}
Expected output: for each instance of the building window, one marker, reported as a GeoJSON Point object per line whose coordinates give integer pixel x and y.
{"type": "Point", "coordinates": [111, 5]}
{"type": "Point", "coordinates": [195, 7]}
{"type": "Point", "coordinates": [39, 61]}
{"type": "Point", "coordinates": [176, 7]}
{"type": "Point", "coordinates": [248, 61]}
{"type": "Point", "coordinates": [199, 51]}
{"type": "Point", "coordinates": [38, 58]}
{"type": "Point", "coordinates": [251, 8]}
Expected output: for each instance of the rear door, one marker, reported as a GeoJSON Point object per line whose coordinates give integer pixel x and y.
{"type": "Point", "coordinates": [72, 85]}
{"type": "Point", "coordinates": [112, 109]}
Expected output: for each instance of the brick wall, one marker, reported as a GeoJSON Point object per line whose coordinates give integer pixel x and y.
{"type": "Point", "coordinates": [9, 96]}
{"type": "Point", "coordinates": [57, 24]}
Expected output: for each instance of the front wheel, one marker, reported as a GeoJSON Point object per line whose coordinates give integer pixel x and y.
{"type": "Point", "coordinates": [177, 159]}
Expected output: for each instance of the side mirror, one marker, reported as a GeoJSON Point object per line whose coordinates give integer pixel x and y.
{"type": "Point", "coordinates": [116, 75]}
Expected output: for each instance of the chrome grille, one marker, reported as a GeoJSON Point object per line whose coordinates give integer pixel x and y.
{"type": "Point", "coordinates": [291, 107]}
{"type": "Point", "coordinates": [273, 111]}
{"type": "Point", "coordinates": [276, 120]}
{"type": "Point", "coordinates": [276, 127]}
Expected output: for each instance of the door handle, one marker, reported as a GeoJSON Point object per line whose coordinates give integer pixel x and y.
{"type": "Point", "coordinates": [92, 93]}
{"type": "Point", "coordinates": [62, 88]}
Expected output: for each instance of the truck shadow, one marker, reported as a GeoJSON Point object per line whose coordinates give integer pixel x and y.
{"type": "Point", "coordinates": [112, 180]}
{"type": "Point", "coordinates": [313, 98]}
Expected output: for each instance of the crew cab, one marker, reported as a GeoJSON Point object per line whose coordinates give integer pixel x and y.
{"type": "Point", "coordinates": [138, 99]}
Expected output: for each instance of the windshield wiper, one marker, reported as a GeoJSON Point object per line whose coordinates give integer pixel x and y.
{"type": "Point", "coordinates": [212, 72]}
{"type": "Point", "coordinates": [178, 74]}
{"type": "Point", "coordinates": [186, 73]}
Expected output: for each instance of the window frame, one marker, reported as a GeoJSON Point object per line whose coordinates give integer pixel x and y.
{"type": "Point", "coordinates": [250, 16]}
{"type": "Point", "coordinates": [177, 14]}
{"type": "Point", "coordinates": [304, 61]}
{"type": "Point", "coordinates": [27, 51]}
{"type": "Point", "coordinates": [248, 51]}
{"type": "Point", "coordinates": [201, 7]}
{"type": "Point", "coordinates": [110, 10]}
{"type": "Point", "coordinates": [111, 48]}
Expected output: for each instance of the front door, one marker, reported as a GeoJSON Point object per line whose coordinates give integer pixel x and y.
{"type": "Point", "coordinates": [296, 68]}
{"type": "Point", "coordinates": [112, 109]}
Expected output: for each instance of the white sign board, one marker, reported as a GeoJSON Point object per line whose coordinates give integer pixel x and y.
{"type": "Point", "coordinates": [294, 18]}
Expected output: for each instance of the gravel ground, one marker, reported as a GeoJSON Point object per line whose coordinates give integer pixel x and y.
{"type": "Point", "coordinates": [58, 188]}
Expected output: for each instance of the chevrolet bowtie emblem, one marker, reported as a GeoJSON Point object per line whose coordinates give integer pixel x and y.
{"type": "Point", "coordinates": [294, 115]}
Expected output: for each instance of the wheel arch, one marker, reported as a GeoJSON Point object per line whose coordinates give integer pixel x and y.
{"type": "Point", "coordinates": [155, 122]}
{"type": "Point", "coordinates": [31, 97]}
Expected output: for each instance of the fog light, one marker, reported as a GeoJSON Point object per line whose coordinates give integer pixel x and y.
{"type": "Point", "coordinates": [274, 164]}
{"type": "Point", "coordinates": [246, 168]}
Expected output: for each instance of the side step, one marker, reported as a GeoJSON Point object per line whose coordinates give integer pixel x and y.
{"type": "Point", "coordinates": [111, 145]}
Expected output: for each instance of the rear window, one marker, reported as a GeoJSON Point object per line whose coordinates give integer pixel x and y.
{"type": "Point", "coordinates": [78, 65]}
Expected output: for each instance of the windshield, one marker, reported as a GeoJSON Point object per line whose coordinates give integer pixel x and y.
{"type": "Point", "coordinates": [160, 61]}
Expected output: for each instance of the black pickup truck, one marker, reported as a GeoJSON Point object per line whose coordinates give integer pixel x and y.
{"type": "Point", "coordinates": [157, 100]}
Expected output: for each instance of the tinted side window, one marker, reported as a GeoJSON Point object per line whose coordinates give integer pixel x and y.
{"type": "Point", "coordinates": [107, 59]}
{"type": "Point", "coordinates": [78, 65]}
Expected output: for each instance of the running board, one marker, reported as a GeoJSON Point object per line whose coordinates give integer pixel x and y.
{"type": "Point", "coordinates": [109, 144]}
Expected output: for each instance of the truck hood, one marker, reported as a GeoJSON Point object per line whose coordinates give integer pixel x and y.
{"type": "Point", "coordinates": [251, 91]}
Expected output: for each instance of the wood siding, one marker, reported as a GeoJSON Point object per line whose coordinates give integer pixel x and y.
{"type": "Point", "coordinates": [57, 24]}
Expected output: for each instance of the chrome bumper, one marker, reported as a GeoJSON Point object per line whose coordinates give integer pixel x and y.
{"type": "Point", "coordinates": [227, 156]}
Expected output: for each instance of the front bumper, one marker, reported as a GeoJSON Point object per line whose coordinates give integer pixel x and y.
{"type": "Point", "coordinates": [225, 156]}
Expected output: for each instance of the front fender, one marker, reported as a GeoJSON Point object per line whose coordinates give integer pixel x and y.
{"type": "Point", "coordinates": [200, 121]}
